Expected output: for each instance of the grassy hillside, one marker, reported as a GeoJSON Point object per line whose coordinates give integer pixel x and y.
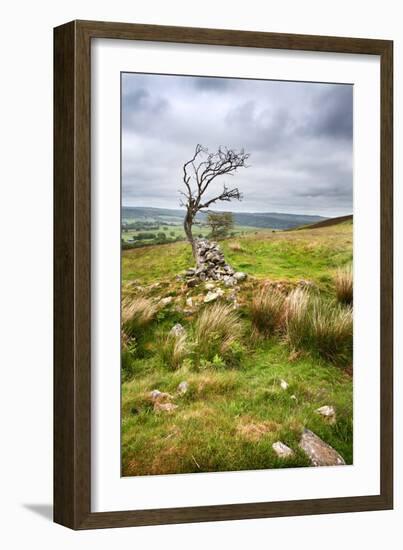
{"type": "Point", "coordinates": [306, 254]}
{"type": "Point", "coordinates": [236, 405]}
{"type": "Point", "coordinates": [247, 219]}
{"type": "Point", "coordinates": [329, 222]}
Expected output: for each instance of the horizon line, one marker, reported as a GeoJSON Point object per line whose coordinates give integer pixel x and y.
{"type": "Point", "coordinates": [244, 212]}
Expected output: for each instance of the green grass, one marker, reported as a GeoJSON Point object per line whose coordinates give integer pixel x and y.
{"type": "Point", "coordinates": [306, 254]}
{"type": "Point", "coordinates": [233, 410]}
{"type": "Point", "coordinates": [209, 429]}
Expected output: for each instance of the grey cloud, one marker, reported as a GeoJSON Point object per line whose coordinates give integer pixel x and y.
{"type": "Point", "coordinates": [333, 114]}
{"type": "Point", "coordinates": [209, 84]}
{"type": "Point", "coordinates": [299, 136]}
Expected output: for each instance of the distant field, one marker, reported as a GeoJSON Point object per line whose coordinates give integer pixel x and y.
{"type": "Point", "coordinates": [177, 232]}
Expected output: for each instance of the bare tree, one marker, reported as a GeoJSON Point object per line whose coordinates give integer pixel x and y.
{"type": "Point", "coordinates": [199, 173]}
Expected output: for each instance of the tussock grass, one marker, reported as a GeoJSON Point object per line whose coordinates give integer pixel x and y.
{"type": "Point", "coordinates": [235, 246]}
{"type": "Point", "coordinates": [174, 349]}
{"type": "Point", "coordinates": [343, 282]}
{"type": "Point", "coordinates": [321, 327]}
{"type": "Point", "coordinates": [297, 318]}
{"type": "Point", "coordinates": [267, 311]}
{"type": "Point", "coordinates": [332, 331]}
{"type": "Point", "coordinates": [217, 329]}
{"type": "Point", "coordinates": [137, 313]}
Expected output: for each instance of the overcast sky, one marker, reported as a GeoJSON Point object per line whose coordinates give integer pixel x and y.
{"type": "Point", "coordinates": [299, 136]}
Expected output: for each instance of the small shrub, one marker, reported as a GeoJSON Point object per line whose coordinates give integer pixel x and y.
{"type": "Point", "coordinates": [137, 313]}
{"type": "Point", "coordinates": [216, 331]}
{"type": "Point", "coordinates": [174, 349]}
{"type": "Point", "coordinates": [343, 281]}
{"type": "Point", "coordinates": [267, 311]}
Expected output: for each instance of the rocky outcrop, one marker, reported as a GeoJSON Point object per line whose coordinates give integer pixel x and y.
{"type": "Point", "coordinates": [211, 266]}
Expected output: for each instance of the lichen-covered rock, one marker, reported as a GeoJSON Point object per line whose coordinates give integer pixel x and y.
{"type": "Point", "coordinates": [328, 413]}
{"type": "Point", "coordinates": [212, 296]}
{"type": "Point", "coordinates": [183, 387]}
{"type": "Point", "coordinates": [240, 276]}
{"type": "Point", "coordinates": [157, 395]}
{"type": "Point", "coordinates": [319, 452]}
{"type": "Point", "coordinates": [281, 450]}
{"type": "Point", "coordinates": [177, 330]}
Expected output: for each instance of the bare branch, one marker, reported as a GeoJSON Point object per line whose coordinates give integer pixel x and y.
{"type": "Point", "coordinates": [210, 166]}
{"type": "Point", "coordinates": [227, 195]}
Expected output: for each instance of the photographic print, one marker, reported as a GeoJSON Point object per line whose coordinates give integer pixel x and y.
{"type": "Point", "coordinates": [236, 274]}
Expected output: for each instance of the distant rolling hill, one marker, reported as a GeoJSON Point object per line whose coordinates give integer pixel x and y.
{"type": "Point", "coordinates": [328, 222]}
{"type": "Point", "coordinates": [272, 220]}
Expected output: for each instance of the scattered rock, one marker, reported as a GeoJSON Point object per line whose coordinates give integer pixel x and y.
{"type": "Point", "coordinates": [177, 330]}
{"type": "Point", "coordinates": [282, 450]}
{"type": "Point", "coordinates": [166, 407]}
{"type": "Point", "coordinates": [293, 397]}
{"type": "Point", "coordinates": [240, 276]}
{"type": "Point", "coordinates": [283, 384]}
{"type": "Point", "coordinates": [229, 281]}
{"type": "Point", "coordinates": [209, 286]}
{"type": "Point", "coordinates": [166, 301]}
{"type": "Point", "coordinates": [183, 387]}
{"type": "Point", "coordinates": [319, 452]}
{"type": "Point", "coordinates": [211, 296]}
{"type": "Point", "coordinates": [160, 396]}
{"type": "Point", "coordinates": [189, 302]}
{"type": "Point", "coordinates": [192, 282]}
{"type": "Point", "coordinates": [328, 413]}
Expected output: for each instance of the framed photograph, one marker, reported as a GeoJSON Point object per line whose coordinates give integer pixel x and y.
{"type": "Point", "coordinates": [222, 275]}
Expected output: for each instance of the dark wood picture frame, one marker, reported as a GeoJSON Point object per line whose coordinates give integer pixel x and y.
{"type": "Point", "coordinates": [72, 269]}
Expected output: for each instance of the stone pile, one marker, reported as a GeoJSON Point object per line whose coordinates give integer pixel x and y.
{"type": "Point", "coordinates": [211, 266]}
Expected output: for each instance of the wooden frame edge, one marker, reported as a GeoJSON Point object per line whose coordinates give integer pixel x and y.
{"type": "Point", "coordinates": [72, 217]}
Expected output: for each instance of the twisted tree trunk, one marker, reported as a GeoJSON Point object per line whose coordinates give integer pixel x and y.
{"type": "Point", "coordinates": [187, 225]}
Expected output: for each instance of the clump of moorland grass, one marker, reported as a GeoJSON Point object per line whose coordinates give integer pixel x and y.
{"type": "Point", "coordinates": [235, 246]}
{"type": "Point", "coordinates": [320, 326]}
{"type": "Point", "coordinates": [216, 333]}
{"type": "Point", "coordinates": [267, 311]}
{"type": "Point", "coordinates": [174, 349]}
{"type": "Point", "coordinates": [297, 319]}
{"type": "Point", "coordinates": [137, 313]}
{"type": "Point", "coordinates": [332, 331]}
{"type": "Point", "coordinates": [343, 281]}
